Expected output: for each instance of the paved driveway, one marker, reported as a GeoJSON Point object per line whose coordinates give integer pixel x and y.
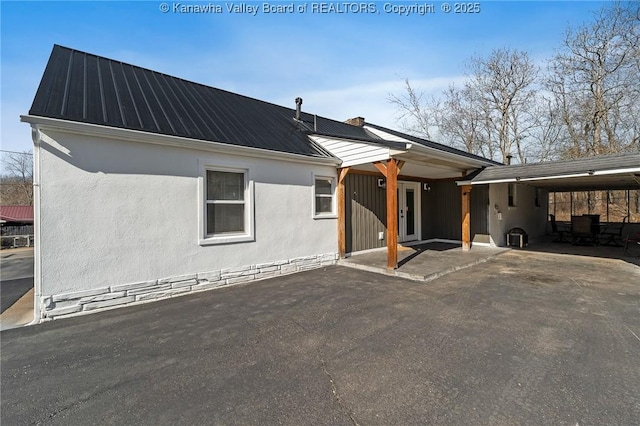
{"type": "Point", "coordinates": [522, 339]}
{"type": "Point", "coordinates": [16, 275]}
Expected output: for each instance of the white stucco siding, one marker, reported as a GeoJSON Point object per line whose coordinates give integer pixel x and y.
{"type": "Point", "coordinates": [116, 212]}
{"type": "Point", "coordinates": [525, 214]}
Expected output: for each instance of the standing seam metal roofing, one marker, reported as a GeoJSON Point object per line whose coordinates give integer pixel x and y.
{"type": "Point", "coordinates": [86, 88]}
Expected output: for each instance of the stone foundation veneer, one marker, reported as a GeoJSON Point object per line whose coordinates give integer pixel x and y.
{"type": "Point", "coordinates": [81, 302]}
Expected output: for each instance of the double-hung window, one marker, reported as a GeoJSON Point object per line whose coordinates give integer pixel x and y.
{"type": "Point", "coordinates": [227, 209]}
{"type": "Point", "coordinates": [323, 193]}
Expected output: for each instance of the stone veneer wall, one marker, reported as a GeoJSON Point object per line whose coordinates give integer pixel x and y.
{"type": "Point", "coordinates": [88, 301]}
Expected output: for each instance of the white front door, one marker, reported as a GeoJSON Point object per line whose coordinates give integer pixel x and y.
{"type": "Point", "coordinates": [408, 211]}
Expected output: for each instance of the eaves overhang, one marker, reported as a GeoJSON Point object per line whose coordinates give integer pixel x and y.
{"type": "Point", "coordinates": [462, 162]}
{"type": "Point", "coordinates": [399, 146]}
{"type": "Point", "coordinates": [594, 173]}
{"type": "Point", "coordinates": [43, 123]}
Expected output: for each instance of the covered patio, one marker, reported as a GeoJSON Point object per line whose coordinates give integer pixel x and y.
{"type": "Point", "coordinates": [394, 188]}
{"type": "Point", "coordinates": [423, 262]}
{"type": "Point", "coordinates": [428, 261]}
{"type": "Point", "coordinates": [604, 174]}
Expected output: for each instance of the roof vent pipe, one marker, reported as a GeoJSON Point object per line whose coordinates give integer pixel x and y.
{"type": "Point", "coordinates": [509, 157]}
{"type": "Point", "coordinates": [298, 107]}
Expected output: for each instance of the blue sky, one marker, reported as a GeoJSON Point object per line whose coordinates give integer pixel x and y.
{"type": "Point", "coordinates": [342, 64]}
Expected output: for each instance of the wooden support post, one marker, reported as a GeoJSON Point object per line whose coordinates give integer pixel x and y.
{"type": "Point", "coordinates": [392, 214]}
{"type": "Point", "coordinates": [381, 168]}
{"type": "Point", "coordinates": [342, 209]}
{"type": "Point", "coordinates": [466, 217]}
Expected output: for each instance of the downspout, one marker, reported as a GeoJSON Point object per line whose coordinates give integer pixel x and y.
{"type": "Point", "coordinates": [37, 250]}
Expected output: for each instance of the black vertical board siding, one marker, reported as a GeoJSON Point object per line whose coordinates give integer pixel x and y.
{"type": "Point", "coordinates": [479, 209]}
{"type": "Point", "coordinates": [447, 210]}
{"type": "Point", "coordinates": [366, 212]}
{"type": "Point", "coordinates": [428, 204]}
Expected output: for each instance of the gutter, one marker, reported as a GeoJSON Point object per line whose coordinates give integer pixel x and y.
{"type": "Point", "coordinates": [37, 222]}
{"type": "Point", "coordinates": [44, 123]}
{"type": "Point", "coordinates": [568, 176]}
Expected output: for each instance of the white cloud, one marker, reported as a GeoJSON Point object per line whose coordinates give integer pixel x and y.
{"type": "Point", "coordinates": [369, 100]}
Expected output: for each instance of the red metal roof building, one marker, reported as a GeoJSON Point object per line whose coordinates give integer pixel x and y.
{"type": "Point", "coordinates": [22, 214]}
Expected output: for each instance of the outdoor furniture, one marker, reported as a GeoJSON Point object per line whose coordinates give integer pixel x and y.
{"type": "Point", "coordinates": [632, 240]}
{"type": "Point", "coordinates": [559, 229]}
{"type": "Point", "coordinates": [583, 232]}
{"type": "Point", "coordinates": [517, 237]}
{"type": "Point", "coordinates": [613, 231]}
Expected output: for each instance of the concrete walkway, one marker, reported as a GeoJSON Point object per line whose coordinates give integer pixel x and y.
{"type": "Point", "coordinates": [423, 262]}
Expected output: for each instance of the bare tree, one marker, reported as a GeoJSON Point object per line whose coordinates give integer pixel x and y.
{"type": "Point", "coordinates": [490, 115]}
{"type": "Point", "coordinates": [17, 183]}
{"type": "Point", "coordinates": [416, 115]}
{"type": "Point", "coordinates": [505, 81]}
{"type": "Point", "coordinates": [594, 79]}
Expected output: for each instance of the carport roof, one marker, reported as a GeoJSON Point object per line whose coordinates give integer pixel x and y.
{"type": "Point", "coordinates": [594, 173]}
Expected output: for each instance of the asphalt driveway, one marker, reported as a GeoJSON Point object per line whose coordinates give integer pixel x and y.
{"type": "Point", "coordinates": [16, 275]}
{"type": "Point", "coordinates": [524, 338]}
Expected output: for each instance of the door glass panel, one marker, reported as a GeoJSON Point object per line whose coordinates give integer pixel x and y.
{"type": "Point", "coordinates": [399, 215]}
{"type": "Point", "coordinates": [410, 213]}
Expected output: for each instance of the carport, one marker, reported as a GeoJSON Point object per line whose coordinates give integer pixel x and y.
{"type": "Point", "coordinates": [603, 173]}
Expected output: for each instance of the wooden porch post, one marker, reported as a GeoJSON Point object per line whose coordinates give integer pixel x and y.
{"type": "Point", "coordinates": [392, 214]}
{"type": "Point", "coordinates": [466, 217]}
{"type": "Point", "coordinates": [342, 209]}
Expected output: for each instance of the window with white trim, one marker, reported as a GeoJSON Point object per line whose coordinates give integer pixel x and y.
{"type": "Point", "coordinates": [324, 189]}
{"type": "Point", "coordinates": [227, 206]}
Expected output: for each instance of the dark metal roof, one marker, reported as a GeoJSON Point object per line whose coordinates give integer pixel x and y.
{"type": "Point", "coordinates": [86, 88]}
{"type": "Point", "coordinates": [434, 145]}
{"type": "Point", "coordinates": [592, 173]}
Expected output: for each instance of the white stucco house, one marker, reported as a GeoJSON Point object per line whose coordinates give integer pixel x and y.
{"type": "Point", "coordinates": [148, 186]}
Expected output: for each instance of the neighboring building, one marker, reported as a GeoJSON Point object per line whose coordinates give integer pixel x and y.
{"type": "Point", "coordinates": [16, 226]}
{"type": "Point", "coordinates": [16, 215]}
{"type": "Point", "coordinates": [149, 186]}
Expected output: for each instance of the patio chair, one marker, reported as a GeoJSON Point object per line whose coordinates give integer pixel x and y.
{"type": "Point", "coordinates": [631, 241]}
{"type": "Point", "coordinates": [612, 232]}
{"type": "Point", "coordinates": [560, 231]}
{"type": "Point", "coordinates": [582, 231]}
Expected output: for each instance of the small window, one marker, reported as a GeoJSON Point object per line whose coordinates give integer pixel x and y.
{"type": "Point", "coordinates": [538, 197]}
{"type": "Point", "coordinates": [225, 203]}
{"type": "Point", "coordinates": [512, 194]}
{"type": "Point", "coordinates": [324, 189]}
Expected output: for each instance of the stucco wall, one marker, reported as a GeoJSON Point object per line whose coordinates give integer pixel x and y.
{"type": "Point", "coordinates": [525, 214]}
{"type": "Point", "coordinates": [115, 212]}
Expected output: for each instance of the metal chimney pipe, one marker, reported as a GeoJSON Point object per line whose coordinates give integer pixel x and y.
{"type": "Point", "coordinates": [298, 107]}
{"type": "Point", "coordinates": [509, 157]}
